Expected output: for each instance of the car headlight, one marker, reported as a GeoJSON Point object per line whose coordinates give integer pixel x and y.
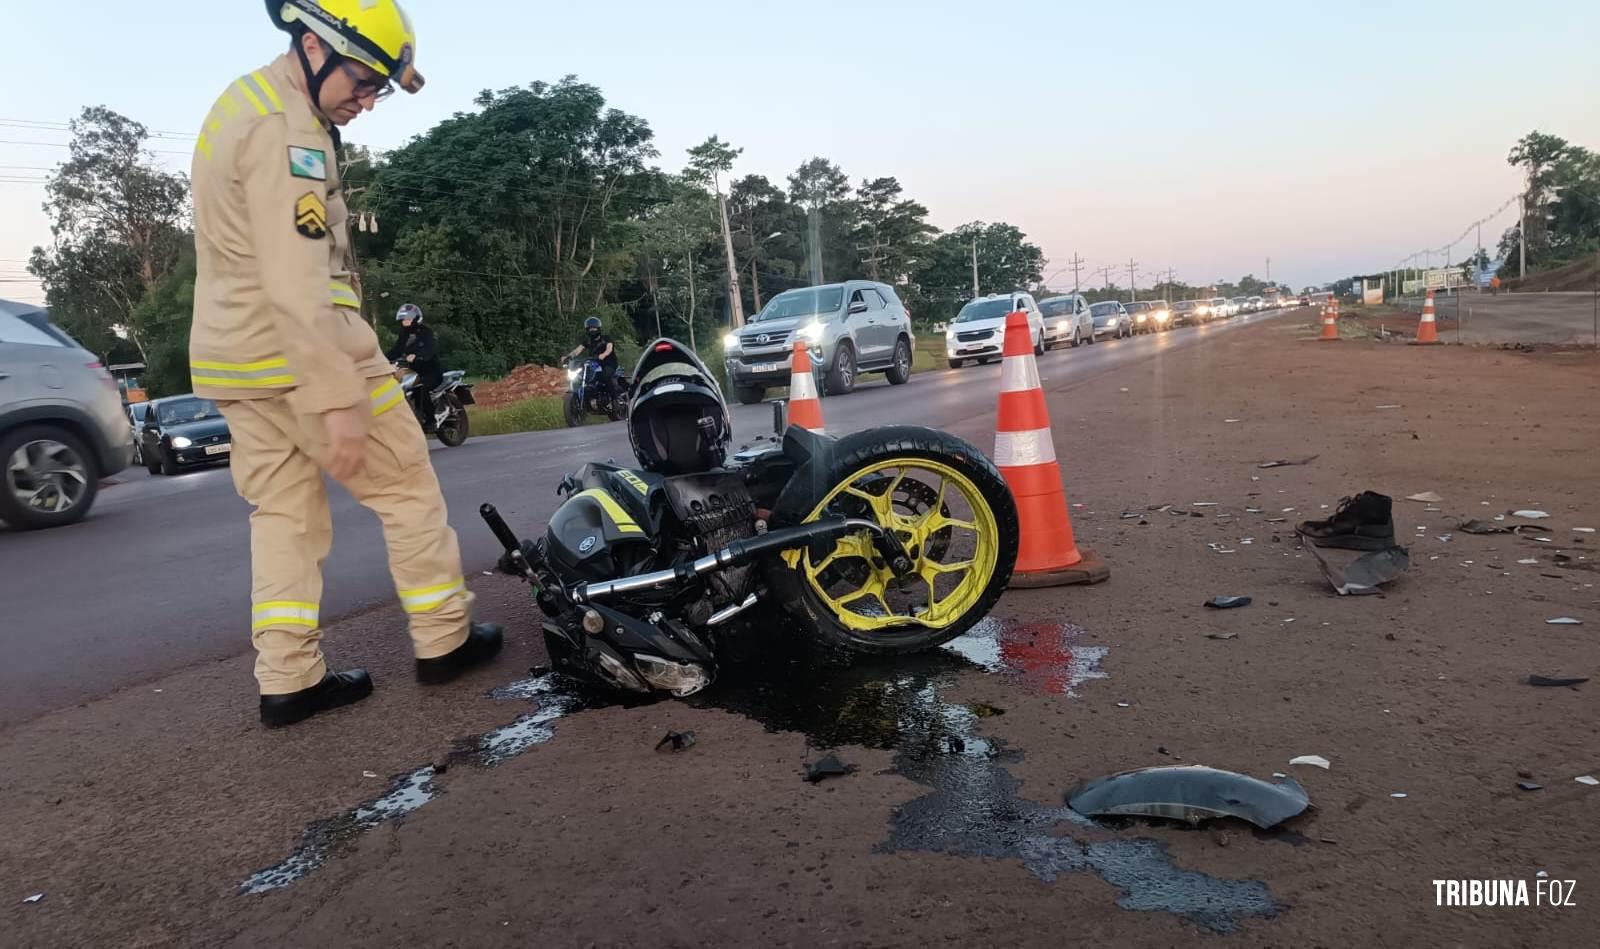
{"type": "Point", "coordinates": [1112, 321]}
{"type": "Point", "coordinates": [812, 333]}
{"type": "Point", "coordinates": [730, 342]}
{"type": "Point", "coordinates": [178, 441]}
{"type": "Point", "coordinates": [1162, 316]}
{"type": "Point", "coordinates": [1141, 317]}
{"type": "Point", "coordinates": [573, 374]}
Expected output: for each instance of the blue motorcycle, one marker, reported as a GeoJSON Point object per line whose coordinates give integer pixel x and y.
{"type": "Point", "coordinates": [587, 394]}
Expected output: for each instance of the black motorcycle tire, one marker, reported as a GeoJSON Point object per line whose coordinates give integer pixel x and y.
{"type": "Point", "coordinates": [456, 426]}
{"type": "Point", "coordinates": [851, 454]}
{"type": "Point", "coordinates": [572, 410]}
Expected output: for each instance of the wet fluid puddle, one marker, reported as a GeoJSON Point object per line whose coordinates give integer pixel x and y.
{"type": "Point", "coordinates": [972, 807]}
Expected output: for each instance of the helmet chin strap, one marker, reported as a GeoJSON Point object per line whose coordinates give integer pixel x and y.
{"type": "Point", "coordinates": [315, 79]}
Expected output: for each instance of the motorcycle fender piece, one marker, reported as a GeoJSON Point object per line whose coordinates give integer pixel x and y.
{"type": "Point", "coordinates": [587, 534]}
{"type": "Point", "coordinates": [1190, 793]}
{"type": "Point", "coordinates": [464, 393]}
{"type": "Point", "coordinates": [629, 635]}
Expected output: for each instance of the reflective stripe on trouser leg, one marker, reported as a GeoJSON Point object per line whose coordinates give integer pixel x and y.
{"type": "Point", "coordinates": [290, 534]}
{"type": "Point", "coordinates": [398, 484]}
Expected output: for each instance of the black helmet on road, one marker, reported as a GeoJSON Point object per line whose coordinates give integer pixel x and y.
{"type": "Point", "coordinates": [409, 311]}
{"type": "Point", "coordinates": [677, 420]}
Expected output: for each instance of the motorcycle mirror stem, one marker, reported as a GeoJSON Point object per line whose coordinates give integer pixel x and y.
{"type": "Point", "coordinates": [779, 422]}
{"type": "Point", "coordinates": [508, 540]}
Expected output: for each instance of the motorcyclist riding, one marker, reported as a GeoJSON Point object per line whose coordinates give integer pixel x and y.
{"type": "Point", "coordinates": [597, 345]}
{"type": "Point", "coordinates": [418, 348]}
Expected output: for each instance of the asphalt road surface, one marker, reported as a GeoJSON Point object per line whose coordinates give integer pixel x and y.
{"type": "Point", "coordinates": [157, 578]}
{"type": "Point", "coordinates": [1559, 318]}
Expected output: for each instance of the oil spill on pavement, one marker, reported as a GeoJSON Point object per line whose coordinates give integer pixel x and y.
{"type": "Point", "coordinates": [973, 808]}
{"type": "Point", "coordinates": [410, 791]}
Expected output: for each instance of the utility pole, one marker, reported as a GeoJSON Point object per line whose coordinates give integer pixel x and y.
{"type": "Point", "coordinates": [734, 300]}
{"type": "Point", "coordinates": [1077, 264]}
{"type": "Point", "coordinates": [1107, 272]}
{"type": "Point", "coordinates": [1269, 271]}
{"type": "Point", "coordinates": [975, 293]}
{"type": "Point", "coordinates": [1522, 238]}
{"type": "Point", "coordinates": [1133, 289]}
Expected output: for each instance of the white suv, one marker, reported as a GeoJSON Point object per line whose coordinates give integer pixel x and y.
{"type": "Point", "coordinates": [979, 331]}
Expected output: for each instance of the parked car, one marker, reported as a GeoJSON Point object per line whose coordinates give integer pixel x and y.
{"type": "Point", "coordinates": [1238, 305]}
{"type": "Point", "coordinates": [979, 331]}
{"type": "Point", "coordinates": [1257, 304]}
{"type": "Point", "coordinates": [1066, 320]}
{"type": "Point", "coordinates": [61, 423]}
{"type": "Point", "coordinates": [1220, 308]}
{"type": "Point", "coordinates": [1189, 312]}
{"type": "Point", "coordinates": [182, 431]}
{"type": "Point", "coordinates": [1161, 314]}
{"type": "Point", "coordinates": [1111, 318]}
{"type": "Point", "coordinates": [1142, 315]}
{"type": "Point", "coordinates": [136, 414]}
{"type": "Point", "coordinates": [852, 328]}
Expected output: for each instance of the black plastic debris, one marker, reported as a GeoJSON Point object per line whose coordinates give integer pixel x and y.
{"type": "Point", "coordinates": [676, 741]}
{"type": "Point", "coordinates": [1227, 602]}
{"type": "Point", "coordinates": [1482, 527]}
{"type": "Point", "coordinates": [1557, 682]}
{"type": "Point", "coordinates": [828, 767]}
{"type": "Point", "coordinates": [1366, 573]}
{"type": "Point", "coordinates": [1222, 635]}
{"type": "Point", "coordinates": [1286, 463]}
{"type": "Point", "coordinates": [1530, 786]}
{"type": "Point", "coordinates": [1190, 793]}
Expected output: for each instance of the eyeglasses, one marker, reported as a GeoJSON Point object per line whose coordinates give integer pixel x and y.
{"type": "Point", "coordinates": [379, 89]}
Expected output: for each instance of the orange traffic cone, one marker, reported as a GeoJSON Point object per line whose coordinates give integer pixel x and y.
{"type": "Point", "coordinates": [1428, 329]}
{"type": "Point", "coordinates": [805, 409]}
{"type": "Point", "coordinates": [1047, 555]}
{"type": "Point", "coordinates": [1330, 323]}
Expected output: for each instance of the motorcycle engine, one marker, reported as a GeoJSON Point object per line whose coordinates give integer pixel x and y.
{"type": "Point", "coordinates": [715, 509]}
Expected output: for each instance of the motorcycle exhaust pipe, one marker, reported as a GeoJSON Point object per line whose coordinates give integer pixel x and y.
{"type": "Point", "coordinates": [736, 554]}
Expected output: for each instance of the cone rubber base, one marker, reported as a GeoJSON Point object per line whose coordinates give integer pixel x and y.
{"type": "Point", "coordinates": [1328, 339]}
{"type": "Point", "coordinates": [1091, 569]}
{"type": "Point", "coordinates": [1430, 342]}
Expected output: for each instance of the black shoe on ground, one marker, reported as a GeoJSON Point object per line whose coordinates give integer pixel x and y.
{"type": "Point", "coordinates": [483, 644]}
{"type": "Point", "coordinates": [335, 689]}
{"type": "Point", "coordinates": [1364, 522]}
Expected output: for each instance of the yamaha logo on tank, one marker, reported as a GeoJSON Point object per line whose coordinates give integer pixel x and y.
{"type": "Point", "coordinates": [587, 545]}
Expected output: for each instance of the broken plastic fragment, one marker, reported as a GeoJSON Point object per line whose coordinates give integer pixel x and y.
{"type": "Point", "coordinates": [1430, 497]}
{"type": "Point", "coordinates": [1286, 463]}
{"type": "Point", "coordinates": [1588, 779]}
{"type": "Point", "coordinates": [1528, 560]}
{"type": "Point", "coordinates": [1584, 530]}
{"type": "Point", "coordinates": [1227, 602]}
{"type": "Point", "coordinates": [369, 774]}
{"type": "Point", "coordinates": [1398, 794]}
{"type": "Point", "coordinates": [1564, 621]}
{"type": "Point", "coordinates": [1366, 573]}
{"type": "Point", "coordinates": [1530, 786]}
{"type": "Point", "coordinates": [1190, 793]}
{"type": "Point", "coordinates": [1557, 681]}
{"type": "Point", "coordinates": [1530, 515]}
{"type": "Point", "coordinates": [828, 767]}
{"type": "Point", "coordinates": [677, 741]}
{"type": "Point", "coordinates": [34, 898]}
{"type": "Point", "coordinates": [1316, 761]}
{"type": "Point", "coordinates": [1222, 635]}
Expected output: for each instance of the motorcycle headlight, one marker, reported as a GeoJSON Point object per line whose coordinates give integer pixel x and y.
{"type": "Point", "coordinates": [812, 333]}
{"type": "Point", "coordinates": [178, 441]}
{"type": "Point", "coordinates": [679, 678]}
{"type": "Point", "coordinates": [730, 342]}
{"type": "Point", "coordinates": [573, 374]}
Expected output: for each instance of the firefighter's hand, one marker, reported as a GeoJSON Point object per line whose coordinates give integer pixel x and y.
{"type": "Point", "coordinates": [346, 431]}
{"type": "Point", "coordinates": [411, 357]}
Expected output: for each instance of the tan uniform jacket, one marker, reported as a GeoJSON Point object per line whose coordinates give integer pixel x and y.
{"type": "Point", "coordinates": [276, 308]}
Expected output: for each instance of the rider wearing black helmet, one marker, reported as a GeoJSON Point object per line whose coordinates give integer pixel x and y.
{"type": "Point", "coordinates": [419, 349]}
{"type": "Point", "coordinates": [597, 345]}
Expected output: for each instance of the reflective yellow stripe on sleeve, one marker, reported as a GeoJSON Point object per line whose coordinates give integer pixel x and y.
{"type": "Point", "coordinates": [259, 93]}
{"type": "Point", "coordinates": [266, 374]}
{"type": "Point", "coordinates": [265, 86]}
{"type": "Point", "coordinates": [428, 599]}
{"type": "Point", "coordinates": [342, 294]}
{"type": "Point", "coordinates": [283, 613]}
{"type": "Point", "coordinates": [386, 397]}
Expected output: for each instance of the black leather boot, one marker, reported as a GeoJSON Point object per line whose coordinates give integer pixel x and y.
{"type": "Point", "coordinates": [335, 689]}
{"type": "Point", "coordinates": [483, 643]}
{"type": "Point", "coordinates": [1364, 522]}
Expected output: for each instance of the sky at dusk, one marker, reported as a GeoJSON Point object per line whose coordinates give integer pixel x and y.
{"type": "Point", "coordinates": [1335, 138]}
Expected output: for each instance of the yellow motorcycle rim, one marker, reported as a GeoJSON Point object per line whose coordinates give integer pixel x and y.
{"type": "Point", "coordinates": [951, 540]}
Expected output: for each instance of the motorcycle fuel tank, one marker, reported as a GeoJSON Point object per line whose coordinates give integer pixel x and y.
{"type": "Point", "coordinates": [590, 534]}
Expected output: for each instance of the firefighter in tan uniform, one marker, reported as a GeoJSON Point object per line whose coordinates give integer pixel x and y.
{"type": "Point", "coordinates": [279, 342]}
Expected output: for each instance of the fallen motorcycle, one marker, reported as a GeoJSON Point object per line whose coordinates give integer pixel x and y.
{"type": "Point", "coordinates": [887, 541]}
{"type": "Point", "coordinates": [450, 400]}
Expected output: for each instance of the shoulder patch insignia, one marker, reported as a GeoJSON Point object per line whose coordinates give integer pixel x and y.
{"type": "Point", "coordinates": [311, 216]}
{"type": "Point", "coordinates": [308, 163]}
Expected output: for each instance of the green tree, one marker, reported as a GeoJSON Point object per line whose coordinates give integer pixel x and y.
{"type": "Point", "coordinates": [162, 319]}
{"type": "Point", "coordinates": [118, 222]}
{"type": "Point", "coordinates": [891, 232]}
{"type": "Point", "coordinates": [678, 257]}
{"type": "Point", "coordinates": [769, 238]}
{"type": "Point", "coordinates": [821, 188]}
{"type": "Point", "coordinates": [942, 281]}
